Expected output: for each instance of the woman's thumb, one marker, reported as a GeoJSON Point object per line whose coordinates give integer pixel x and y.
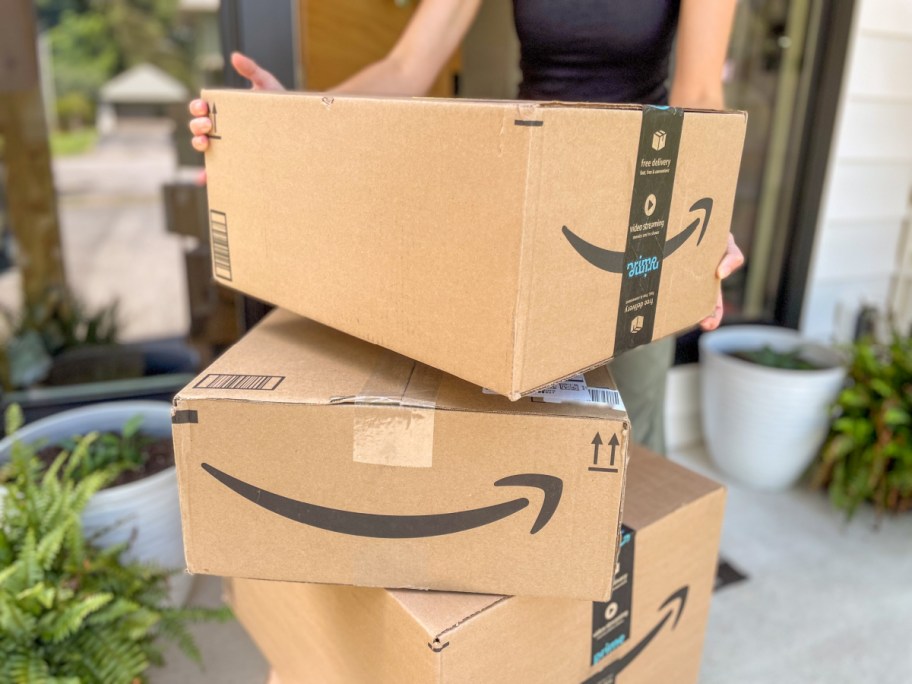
{"type": "Point", "coordinates": [259, 77]}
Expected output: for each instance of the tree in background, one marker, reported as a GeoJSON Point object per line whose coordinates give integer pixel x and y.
{"type": "Point", "coordinates": [94, 40]}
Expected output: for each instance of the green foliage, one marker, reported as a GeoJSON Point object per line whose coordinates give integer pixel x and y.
{"type": "Point", "coordinates": [867, 455]}
{"type": "Point", "coordinates": [40, 331]}
{"type": "Point", "coordinates": [71, 613]}
{"type": "Point", "coordinates": [68, 143]}
{"type": "Point", "coordinates": [111, 450]}
{"type": "Point", "coordinates": [50, 11]}
{"type": "Point", "coordinates": [792, 359]}
{"type": "Point", "coordinates": [76, 115]}
{"type": "Point", "coordinates": [85, 57]}
{"type": "Point", "coordinates": [94, 40]}
{"type": "Point", "coordinates": [143, 31]}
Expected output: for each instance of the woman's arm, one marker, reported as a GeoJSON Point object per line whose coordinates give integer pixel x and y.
{"type": "Point", "coordinates": [704, 29]}
{"type": "Point", "coordinates": [428, 41]}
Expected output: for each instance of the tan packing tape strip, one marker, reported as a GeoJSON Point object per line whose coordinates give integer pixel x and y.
{"type": "Point", "coordinates": [394, 414]}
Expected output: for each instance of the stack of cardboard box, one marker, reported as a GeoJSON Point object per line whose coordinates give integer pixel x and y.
{"type": "Point", "coordinates": [446, 247]}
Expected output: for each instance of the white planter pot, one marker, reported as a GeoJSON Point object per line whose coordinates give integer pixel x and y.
{"type": "Point", "coordinates": [146, 510]}
{"type": "Point", "coordinates": [764, 426]}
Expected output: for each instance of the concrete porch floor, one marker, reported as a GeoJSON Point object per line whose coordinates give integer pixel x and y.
{"type": "Point", "coordinates": [824, 602]}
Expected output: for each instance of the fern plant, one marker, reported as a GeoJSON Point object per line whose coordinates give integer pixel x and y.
{"type": "Point", "coordinates": [122, 450]}
{"type": "Point", "coordinates": [70, 612]}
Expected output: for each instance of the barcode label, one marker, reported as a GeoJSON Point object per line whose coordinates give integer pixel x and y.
{"type": "Point", "coordinates": [602, 395]}
{"type": "Point", "coordinates": [574, 390]}
{"type": "Point", "coordinates": [240, 382]}
{"type": "Point", "coordinates": [221, 254]}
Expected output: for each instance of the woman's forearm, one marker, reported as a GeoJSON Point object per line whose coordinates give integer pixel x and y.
{"type": "Point", "coordinates": [386, 77]}
{"type": "Point", "coordinates": [432, 35]}
{"type": "Point", "coordinates": [704, 28]}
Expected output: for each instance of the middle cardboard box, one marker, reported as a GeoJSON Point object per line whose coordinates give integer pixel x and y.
{"type": "Point", "coordinates": [304, 454]}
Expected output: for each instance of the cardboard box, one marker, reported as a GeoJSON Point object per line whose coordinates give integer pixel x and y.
{"type": "Point", "coordinates": [651, 632]}
{"type": "Point", "coordinates": [305, 454]}
{"type": "Point", "coordinates": [511, 244]}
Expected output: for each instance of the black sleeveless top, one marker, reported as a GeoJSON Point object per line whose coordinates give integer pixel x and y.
{"type": "Point", "coordinates": [595, 50]}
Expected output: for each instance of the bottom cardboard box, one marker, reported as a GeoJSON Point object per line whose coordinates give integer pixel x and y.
{"type": "Point", "coordinates": [651, 631]}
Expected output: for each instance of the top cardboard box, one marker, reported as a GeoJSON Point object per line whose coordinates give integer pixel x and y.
{"type": "Point", "coordinates": [511, 244]}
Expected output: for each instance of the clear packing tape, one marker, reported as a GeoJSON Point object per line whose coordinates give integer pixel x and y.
{"type": "Point", "coordinates": [393, 417]}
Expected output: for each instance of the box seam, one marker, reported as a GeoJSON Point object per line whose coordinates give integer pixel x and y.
{"type": "Point", "coordinates": [521, 308]}
{"type": "Point", "coordinates": [183, 479]}
{"type": "Point", "coordinates": [609, 580]}
{"type": "Point", "coordinates": [437, 101]}
{"type": "Point", "coordinates": [468, 617]}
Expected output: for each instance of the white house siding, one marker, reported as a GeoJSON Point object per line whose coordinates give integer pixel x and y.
{"type": "Point", "coordinates": [862, 242]}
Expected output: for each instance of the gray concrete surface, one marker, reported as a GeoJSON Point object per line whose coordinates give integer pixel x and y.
{"type": "Point", "coordinates": [826, 602]}
{"type": "Point", "coordinates": [229, 656]}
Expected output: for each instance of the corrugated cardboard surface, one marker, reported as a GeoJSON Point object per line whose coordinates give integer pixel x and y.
{"type": "Point", "coordinates": [305, 454]}
{"type": "Point", "coordinates": [435, 227]}
{"type": "Point", "coordinates": [336, 635]}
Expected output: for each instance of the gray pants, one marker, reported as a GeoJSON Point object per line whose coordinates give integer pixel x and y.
{"type": "Point", "coordinates": [641, 374]}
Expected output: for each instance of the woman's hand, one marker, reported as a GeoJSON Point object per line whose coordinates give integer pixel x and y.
{"type": "Point", "coordinates": [731, 261]}
{"type": "Point", "coordinates": [259, 78]}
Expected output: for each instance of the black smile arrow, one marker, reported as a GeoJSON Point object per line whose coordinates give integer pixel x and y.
{"type": "Point", "coordinates": [706, 205]}
{"type": "Point", "coordinates": [613, 262]}
{"type": "Point", "coordinates": [677, 601]}
{"type": "Point", "coordinates": [400, 526]}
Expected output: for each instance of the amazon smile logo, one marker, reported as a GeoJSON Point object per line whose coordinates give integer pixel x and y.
{"type": "Point", "coordinates": [613, 262]}
{"type": "Point", "coordinates": [381, 526]}
{"type": "Point", "coordinates": [675, 605]}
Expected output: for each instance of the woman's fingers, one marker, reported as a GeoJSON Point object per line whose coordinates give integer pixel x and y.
{"type": "Point", "coordinates": [199, 107]}
{"type": "Point", "coordinates": [732, 260]}
{"type": "Point", "coordinates": [712, 322]}
{"type": "Point", "coordinates": [200, 142]}
{"type": "Point", "coordinates": [200, 125]}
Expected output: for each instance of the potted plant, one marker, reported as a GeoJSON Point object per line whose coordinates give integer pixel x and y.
{"type": "Point", "coordinates": [765, 393]}
{"type": "Point", "coordinates": [141, 504]}
{"type": "Point", "coordinates": [71, 611]}
{"type": "Point", "coordinates": [867, 455]}
{"type": "Point", "coordinates": [58, 354]}
{"type": "Point", "coordinates": [58, 341]}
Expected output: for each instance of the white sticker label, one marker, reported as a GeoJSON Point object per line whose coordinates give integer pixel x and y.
{"type": "Point", "coordinates": [575, 390]}
{"type": "Point", "coordinates": [570, 390]}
